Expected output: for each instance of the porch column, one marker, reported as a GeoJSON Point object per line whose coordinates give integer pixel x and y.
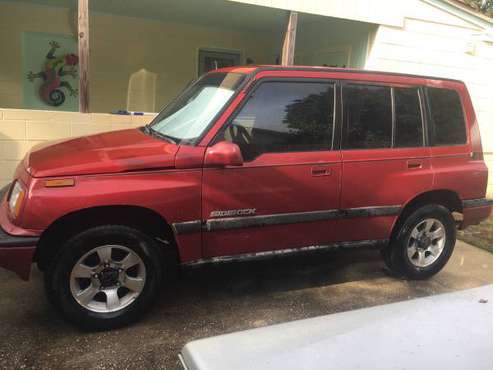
{"type": "Point", "coordinates": [83, 32]}
{"type": "Point", "coordinates": [288, 46]}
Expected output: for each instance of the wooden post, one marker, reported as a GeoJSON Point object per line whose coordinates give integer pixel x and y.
{"type": "Point", "coordinates": [83, 32]}
{"type": "Point", "coordinates": [288, 46]}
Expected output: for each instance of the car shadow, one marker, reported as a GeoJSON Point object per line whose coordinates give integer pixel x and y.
{"type": "Point", "coordinates": [274, 275]}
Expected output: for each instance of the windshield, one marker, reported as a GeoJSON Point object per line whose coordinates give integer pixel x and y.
{"type": "Point", "coordinates": [187, 117]}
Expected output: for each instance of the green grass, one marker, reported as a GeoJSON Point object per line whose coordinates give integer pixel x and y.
{"type": "Point", "coordinates": [479, 235]}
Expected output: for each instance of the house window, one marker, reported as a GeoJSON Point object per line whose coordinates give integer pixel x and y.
{"type": "Point", "coordinates": [214, 59]}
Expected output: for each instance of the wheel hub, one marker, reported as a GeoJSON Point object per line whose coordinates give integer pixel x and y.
{"type": "Point", "coordinates": [108, 277]}
{"type": "Point", "coordinates": [424, 242]}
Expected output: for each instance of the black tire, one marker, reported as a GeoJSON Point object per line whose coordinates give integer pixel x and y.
{"type": "Point", "coordinates": [395, 254]}
{"type": "Point", "coordinates": [57, 276]}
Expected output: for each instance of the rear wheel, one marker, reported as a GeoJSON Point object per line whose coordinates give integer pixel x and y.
{"type": "Point", "coordinates": [105, 277]}
{"type": "Point", "coordinates": [423, 244]}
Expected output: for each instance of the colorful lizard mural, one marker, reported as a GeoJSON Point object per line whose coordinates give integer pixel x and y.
{"type": "Point", "coordinates": [55, 69]}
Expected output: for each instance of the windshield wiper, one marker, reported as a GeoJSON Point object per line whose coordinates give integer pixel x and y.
{"type": "Point", "coordinates": [149, 130]}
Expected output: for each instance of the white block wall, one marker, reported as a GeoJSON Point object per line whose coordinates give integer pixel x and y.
{"type": "Point", "coordinates": [21, 129]}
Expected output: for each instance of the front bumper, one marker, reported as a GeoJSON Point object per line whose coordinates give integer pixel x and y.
{"type": "Point", "coordinates": [16, 252]}
{"type": "Point", "coordinates": [475, 210]}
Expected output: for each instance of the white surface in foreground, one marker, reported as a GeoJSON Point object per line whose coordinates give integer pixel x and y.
{"type": "Point", "coordinates": [447, 331]}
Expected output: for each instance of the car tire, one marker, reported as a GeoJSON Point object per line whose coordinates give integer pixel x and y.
{"type": "Point", "coordinates": [105, 277]}
{"type": "Point", "coordinates": [422, 244]}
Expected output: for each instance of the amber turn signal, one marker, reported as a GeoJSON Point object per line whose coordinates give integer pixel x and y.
{"type": "Point", "coordinates": [59, 183]}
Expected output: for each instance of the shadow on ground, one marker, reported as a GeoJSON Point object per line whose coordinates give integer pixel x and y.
{"type": "Point", "coordinates": [215, 300]}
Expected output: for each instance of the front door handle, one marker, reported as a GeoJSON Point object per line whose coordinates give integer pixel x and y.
{"type": "Point", "coordinates": [321, 171]}
{"type": "Point", "coordinates": [414, 164]}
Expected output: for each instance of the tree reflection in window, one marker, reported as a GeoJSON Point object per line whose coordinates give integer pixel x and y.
{"type": "Point", "coordinates": [284, 117]}
{"type": "Point", "coordinates": [367, 117]}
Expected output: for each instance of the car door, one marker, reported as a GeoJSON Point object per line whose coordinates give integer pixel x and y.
{"type": "Point", "coordinates": [385, 159]}
{"type": "Point", "coordinates": [287, 190]}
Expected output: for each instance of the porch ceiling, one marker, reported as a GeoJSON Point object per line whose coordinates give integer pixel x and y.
{"type": "Point", "coordinates": [211, 13]}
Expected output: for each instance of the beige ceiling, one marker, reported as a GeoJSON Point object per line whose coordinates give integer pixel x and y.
{"type": "Point", "coordinates": [207, 12]}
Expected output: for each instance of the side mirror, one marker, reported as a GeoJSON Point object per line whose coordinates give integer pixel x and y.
{"type": "Point", "coordinates": [223, 154]}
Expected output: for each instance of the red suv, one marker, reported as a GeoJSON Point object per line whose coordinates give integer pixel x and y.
{"type": "Point", "coordinates": [247, 162]}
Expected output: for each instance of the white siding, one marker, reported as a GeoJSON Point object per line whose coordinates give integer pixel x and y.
{"type": "Point", "coordinates": [388, 12]}
{"type": "Point", "coordinates": [436, 44]}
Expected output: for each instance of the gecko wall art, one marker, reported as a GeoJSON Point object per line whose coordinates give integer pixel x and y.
{"type": "Point", "coordinates": [54, 75]}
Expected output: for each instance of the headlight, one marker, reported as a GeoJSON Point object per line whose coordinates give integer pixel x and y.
{"type": "Point", "coordinates": [16, 198]}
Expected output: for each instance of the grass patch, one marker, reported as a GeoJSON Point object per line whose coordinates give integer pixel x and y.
{"type": "Point", "coordinates": [479, 235]}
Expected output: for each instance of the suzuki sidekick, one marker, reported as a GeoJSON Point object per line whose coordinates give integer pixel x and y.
{"type": "Point", "coordinates": [247, 162]}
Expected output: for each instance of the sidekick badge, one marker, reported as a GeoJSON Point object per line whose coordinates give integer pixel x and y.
{"type": "Point", "coordinates": [234, 212]}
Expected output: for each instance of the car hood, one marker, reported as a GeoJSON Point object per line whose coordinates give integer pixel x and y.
{"type": "Point", "coordinates": [110, 152]}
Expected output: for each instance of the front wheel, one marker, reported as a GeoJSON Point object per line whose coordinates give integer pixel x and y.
{"type": "Point", "coordinates": [423, 244]}
{"type": "Point", "coordinates": [105, 277]}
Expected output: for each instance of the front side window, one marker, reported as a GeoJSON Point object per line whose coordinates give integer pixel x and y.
{"type": "Point", "coordinates": [367, 117]}
{"type": "Point", "coordinates": [186, 119]}
{"type": "Point", "coordinates": [447, 118]}
{"type": "Point", "coordinates": [284, 117]}
{"type": "Point", "coordinates": [408, 122]}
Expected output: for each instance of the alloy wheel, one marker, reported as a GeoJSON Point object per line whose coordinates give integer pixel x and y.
{"type": "Point", "coordinates": [107, 278]}
{"type": "Point", "coordinates": [426, 242]}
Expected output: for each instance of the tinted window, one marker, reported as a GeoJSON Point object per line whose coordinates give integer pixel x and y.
{"type": "Point", "coordinates": [284, 117]}
{"type": "Point", "coordinates": [448, 127]}
{"type": "Point", "coordinates": [367, 117]}
{"type": "Point", "coordinates": [408, 124]}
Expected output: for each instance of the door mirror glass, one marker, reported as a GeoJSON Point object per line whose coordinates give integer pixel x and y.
{"type": "Point", "coordinates": [223, 154]}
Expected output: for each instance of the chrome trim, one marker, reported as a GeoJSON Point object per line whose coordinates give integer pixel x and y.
{"type": "Point", "coordinates": [480, 202]}
{"type": "Point", "coordinates": [287, 252]}
{"type": "Point", "coordinates": [231, 223]}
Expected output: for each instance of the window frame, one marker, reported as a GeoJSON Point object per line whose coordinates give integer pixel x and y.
{"type": "Point", "coordinates": [256, 84]}
{"type": "Point", "coordinates": [392, 86]}
{"type": "Point", "coordinates": [431, 124]}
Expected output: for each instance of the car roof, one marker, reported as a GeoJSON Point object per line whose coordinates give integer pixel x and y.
{"type": "Point", "coordinates": [254, 69]}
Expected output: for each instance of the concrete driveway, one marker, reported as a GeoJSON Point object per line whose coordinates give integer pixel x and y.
{"type": "Point", "coordinates": [216, 300]}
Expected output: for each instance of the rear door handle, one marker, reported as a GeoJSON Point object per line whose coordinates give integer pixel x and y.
{"type": "Point", "coordinates": [414, 164]}
{"type": "Point", "coordinates": [321, 171]}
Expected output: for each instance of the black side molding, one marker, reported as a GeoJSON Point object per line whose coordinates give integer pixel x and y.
{"type": "Point", "coordinates": [187, 227]}
{"type": "Point", "coordinates": [7, 240]}
{"type": "Point", "coordinates": [231, 223]}
{"type": "Point", "coordinates": [481, 202]}
{"type": "Point", "coordinates": [298, 217]}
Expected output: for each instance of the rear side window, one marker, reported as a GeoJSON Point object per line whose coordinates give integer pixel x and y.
{"type": "Point", "coordinates": [284, 117]}
{"type": "Point", "coordinates": [447, 118]}
{"type": "Point", "coordinates": [367, 117]}
{"type": "Point", "coordinates": [408, 122]}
